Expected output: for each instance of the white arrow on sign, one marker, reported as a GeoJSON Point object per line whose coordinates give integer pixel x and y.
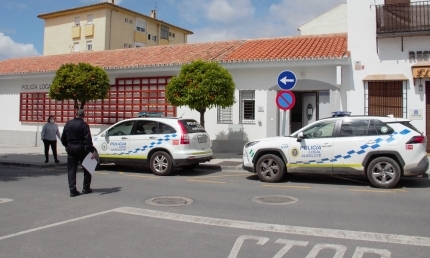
{"type": "Point", "coordinates": [285, 80]}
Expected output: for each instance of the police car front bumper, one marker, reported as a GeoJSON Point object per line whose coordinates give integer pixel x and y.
{"type": "Point", "coordinates": [420, 169]}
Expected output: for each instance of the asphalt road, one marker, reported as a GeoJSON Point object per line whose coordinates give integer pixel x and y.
{"type": "Point", "coordinates": [209, 213]}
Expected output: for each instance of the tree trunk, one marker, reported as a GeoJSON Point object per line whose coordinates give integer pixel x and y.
{"type": "Point", "coordinates": [75, 101]}
{"type": "Point", "coordinates": [83, 104]}
{"type": "Point", "coordinates": [202, 116]}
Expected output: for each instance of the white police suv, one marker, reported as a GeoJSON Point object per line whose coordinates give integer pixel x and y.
{"type": "Point", "coordinates": [380, 148]}
{"type": "Point", "coordinates": [159, 142]}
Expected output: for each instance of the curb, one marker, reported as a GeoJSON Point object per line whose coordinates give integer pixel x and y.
{"type": "Point", "coordinates": [36, 165]}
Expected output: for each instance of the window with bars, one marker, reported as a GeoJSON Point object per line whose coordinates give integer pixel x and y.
{"type": "Point", "coordinates": [247, 106]}
{"type": "Point", "coordinates": [225, 115]}
{"type": "Point", "coordinates": [126, 98]}
{"type": "Point", "coordinates": [384, 98]}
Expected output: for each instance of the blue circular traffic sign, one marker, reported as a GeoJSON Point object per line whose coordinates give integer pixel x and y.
{"type": "Point", "coordinates": [285, 100]}
{"type": "Point", "coordinates": [287, 80]}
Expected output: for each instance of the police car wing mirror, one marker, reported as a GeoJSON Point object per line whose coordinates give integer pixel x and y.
{"type": "Point", "coordinates": [300, 136]}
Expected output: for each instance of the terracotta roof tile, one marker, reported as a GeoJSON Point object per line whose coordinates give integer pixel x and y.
{"type": "Point", "coordinates": [289, 48]}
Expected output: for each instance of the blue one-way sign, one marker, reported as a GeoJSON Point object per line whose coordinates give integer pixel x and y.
{"type": "Point", "coordinates": [287, 80]}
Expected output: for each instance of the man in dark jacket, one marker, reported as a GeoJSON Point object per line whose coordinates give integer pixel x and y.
{"type": "Point", "coordinates": [77, 139]}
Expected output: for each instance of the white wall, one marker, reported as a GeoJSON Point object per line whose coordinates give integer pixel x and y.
{"type": "Point", "coordinates": [382, 56]}
{"type": "Point", "coordinates": [332, 21]}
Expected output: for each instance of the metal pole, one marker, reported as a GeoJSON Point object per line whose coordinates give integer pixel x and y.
{"type": "Point", "coordinates": [284, 121]}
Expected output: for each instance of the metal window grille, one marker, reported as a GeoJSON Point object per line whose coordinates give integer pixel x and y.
{"type": "Point", "coordinates": [247, 107]}
{"type": "Point", "coordinates": [384, 98]}
{"type": "Point", "coordinates": [225, 115]}
{"type": "Point", "coordinates": [126, 99]}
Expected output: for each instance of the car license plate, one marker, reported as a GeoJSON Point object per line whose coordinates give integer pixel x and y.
{"type": "Point", "coordinates": [202, 138]}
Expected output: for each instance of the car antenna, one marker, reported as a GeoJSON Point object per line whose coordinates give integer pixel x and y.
{"type": "Point", "coordinates": [182, 115]}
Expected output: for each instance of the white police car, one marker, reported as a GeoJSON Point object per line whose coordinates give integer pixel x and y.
{"type": "Point", "coordinates": [380, 148]}
{"type": "Point", "coordinates": [160, 142]}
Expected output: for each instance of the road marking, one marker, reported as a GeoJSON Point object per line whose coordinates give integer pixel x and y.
{"type": "Point", "coordinates": [223, 176]}
{"type": "Point", "coordinates": [3, 200]}
{"type": "Point", "coordinates": [55, 224]}
{"type": "Point", "coordinates": [289, 186]}
{"type": "Point", "coordinates": [374, 191]}
{"type": "Point", "coordinates": [400, 190]}
{"type": "Point", "coordinates": [285, 229]}
{"type": "Point", "coordinates": [150, 177]}
{"type": "Point", "coordinates": [205, 181]}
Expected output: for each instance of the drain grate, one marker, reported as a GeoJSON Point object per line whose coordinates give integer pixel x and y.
{"type": "Point", "coordinates": [275, 199]}
{"type": "Point", "coordinates": [169, 201]}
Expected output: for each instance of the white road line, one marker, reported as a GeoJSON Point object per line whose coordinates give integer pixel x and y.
{"type": "Point", "coordinates": [306, 231]}
{"type": "Point", "coordinates": [55, 224]}
{"type": "Point", "coordinates": [3, 200]}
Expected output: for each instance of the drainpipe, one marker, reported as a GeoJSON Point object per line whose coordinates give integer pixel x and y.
{"type": "Point", "coordinates": [110, 27]}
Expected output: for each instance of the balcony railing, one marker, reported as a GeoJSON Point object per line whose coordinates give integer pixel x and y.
{"type": "Point", "coordinates": [403, 19]}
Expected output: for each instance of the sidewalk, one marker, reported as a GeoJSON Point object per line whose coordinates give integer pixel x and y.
{"type": "Point", "coordinates": [31, 156]}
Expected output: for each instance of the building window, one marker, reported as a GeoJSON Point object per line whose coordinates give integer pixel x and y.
{"type": "Point", "coordinates": [149, 36]}
{"type": "Point", "coordinates": [164, 32]}
{"type": "Point", "coordinates": [126, 99]}
{"type": "Point", "coordinates": [90, 19]}
{"type": "Point", "coordinates": [77, 21]}
{"type": "Point", "coordinates": [225, 115]}
{"type": "Point", "coordinates": [247, 106]}
{"type": "Point", "coordinates": [130, 21]}
{"type": "Point", "coordinates": [154, 38]}
{"type": "Point", "coordinates": [126, 20]}
{"type": "Point", "coordinates": [140, 25]}
{"type": "Point", "coordinates": [138, 44]}
{"type": "Point", "coordinates": [89, 45]}
{"type": "Point", "coordinates": [384, 98]}
{"type": "Point", "coordinates": [76, 47]}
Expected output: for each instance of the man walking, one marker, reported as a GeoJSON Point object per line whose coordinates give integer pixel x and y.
{"type": "Point", "coordinates": [77, 139]}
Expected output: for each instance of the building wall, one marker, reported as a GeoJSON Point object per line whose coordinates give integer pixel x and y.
{"type": "Point", "coordinates": [382, 56]}
{"type": "Point", "coordinates": [122, 32]}
{"type": "Point", "coordinates": [58, 33]}
{"type": "Point", "coordinates": [333, 21]}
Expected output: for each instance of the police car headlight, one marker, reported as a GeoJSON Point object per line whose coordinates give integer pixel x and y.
{"type": "Point", "coordinates": [249, 144]}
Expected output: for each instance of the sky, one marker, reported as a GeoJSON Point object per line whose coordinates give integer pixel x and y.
{"type": "Point", "coordinates": [21, 32]}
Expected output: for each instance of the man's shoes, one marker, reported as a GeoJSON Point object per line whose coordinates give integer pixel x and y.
{"type": "Point", "coordinates": [74, 193]}
{"type": "Point", "coordinates": [46, 161]}
{"type": "Point", "coordinates": [57, 161]}
{"type": "Point", "coordinates": [87, 191]}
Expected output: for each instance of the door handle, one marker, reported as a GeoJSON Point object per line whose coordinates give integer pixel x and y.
{"type": "Point", "coordinates": [124, 138]}
{"type": "Point", "coordinates": [152, 137]}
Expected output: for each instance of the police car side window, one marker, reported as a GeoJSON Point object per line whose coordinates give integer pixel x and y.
{"type": "Point", "coordinates": [163, 128]}
{"type": "Point", "coordinates": [320, 130]}
{"type": "Point", "coordinates": [357, 127]}
{"type": "Point", "coordinates": [382, 128]}
{"type": "Point", "coordinates": [121, 129]}
{"type": "Point", "coordinates": [144, 127]}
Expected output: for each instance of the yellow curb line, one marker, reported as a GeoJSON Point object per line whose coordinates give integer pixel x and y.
{"type": "Point", "coordinates": [101, 173]}
{"type": "Point", "coordinates": [222, 176]}
{"type": "Point", "coordinates": [288, 186]}
{"type": "Point", "coordinates": [203, 181]}
{"type": "Point", "coordinates": [374, 191]}
{"type": "Point", "coordinates": [151, 177]}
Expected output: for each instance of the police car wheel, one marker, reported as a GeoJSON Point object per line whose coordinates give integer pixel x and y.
{"type": "Point", "coordinates": [161, 163]}
{"type": "Point", "coordinates": [270, 168]}
{"type": "Point", "coordinates": [383, 172]}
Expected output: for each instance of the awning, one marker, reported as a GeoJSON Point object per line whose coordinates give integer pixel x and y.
{"type": "Point", "coordinates": [385, 77]}
{"type": "Point", "coordinates": [421, 70]}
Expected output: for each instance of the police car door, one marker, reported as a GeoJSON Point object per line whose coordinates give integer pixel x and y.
{"type": "Point", "coordinates": [115, 143]}
{"type": "Point", "coordinates": [356, 138]}
{"type": "Point", "coordinates": [143, 139]}
{"type": "Point", "coordinates": [311, 149]}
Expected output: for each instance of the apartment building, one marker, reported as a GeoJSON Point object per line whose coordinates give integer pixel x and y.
{"type": "Point", "coordinates": [105, 26]}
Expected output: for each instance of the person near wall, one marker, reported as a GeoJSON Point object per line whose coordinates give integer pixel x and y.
{"type": "Point", "coordinates": [77, 139]}
{"type": "Point", "coordinates": [49, 136]}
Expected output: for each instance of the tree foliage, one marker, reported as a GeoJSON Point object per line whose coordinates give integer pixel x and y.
{"type": "Point", "coordinates": [81, 83]}
{"type": "Point", "coordinates": [201, 85]}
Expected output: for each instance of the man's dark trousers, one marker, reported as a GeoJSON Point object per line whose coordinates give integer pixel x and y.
{"type": "Point", "coordinates": [76, 154]}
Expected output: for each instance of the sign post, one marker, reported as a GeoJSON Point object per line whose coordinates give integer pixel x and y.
{"type": "Point", "coordinates": [285, 99]}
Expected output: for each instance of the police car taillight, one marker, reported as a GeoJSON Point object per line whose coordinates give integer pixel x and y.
{"type": "Point", "coordinates": [417, 139]}
{"type": "Point", "coordinates": [185, 139]}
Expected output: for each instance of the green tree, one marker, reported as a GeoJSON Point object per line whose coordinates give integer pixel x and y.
{"type": "Point", "coordinates": [81, 83]}
{"type": "Point", "coordinates": [201, 85]}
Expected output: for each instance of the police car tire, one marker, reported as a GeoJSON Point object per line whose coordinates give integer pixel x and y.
{"type": "Point", "coordinates": [165, 159]}
{"type": "Point", "coordinates": [381, 161]}
{"type": "Point", "coordinates": [274, 160]}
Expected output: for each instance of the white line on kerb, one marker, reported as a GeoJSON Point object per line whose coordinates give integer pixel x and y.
{"type": "Point", "coordinates": [55, 224]}
{"type": "Point", "coordinates": [306, 231]}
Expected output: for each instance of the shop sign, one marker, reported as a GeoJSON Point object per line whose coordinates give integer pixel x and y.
{"type": "Point", "coordinates": [421, 72]}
